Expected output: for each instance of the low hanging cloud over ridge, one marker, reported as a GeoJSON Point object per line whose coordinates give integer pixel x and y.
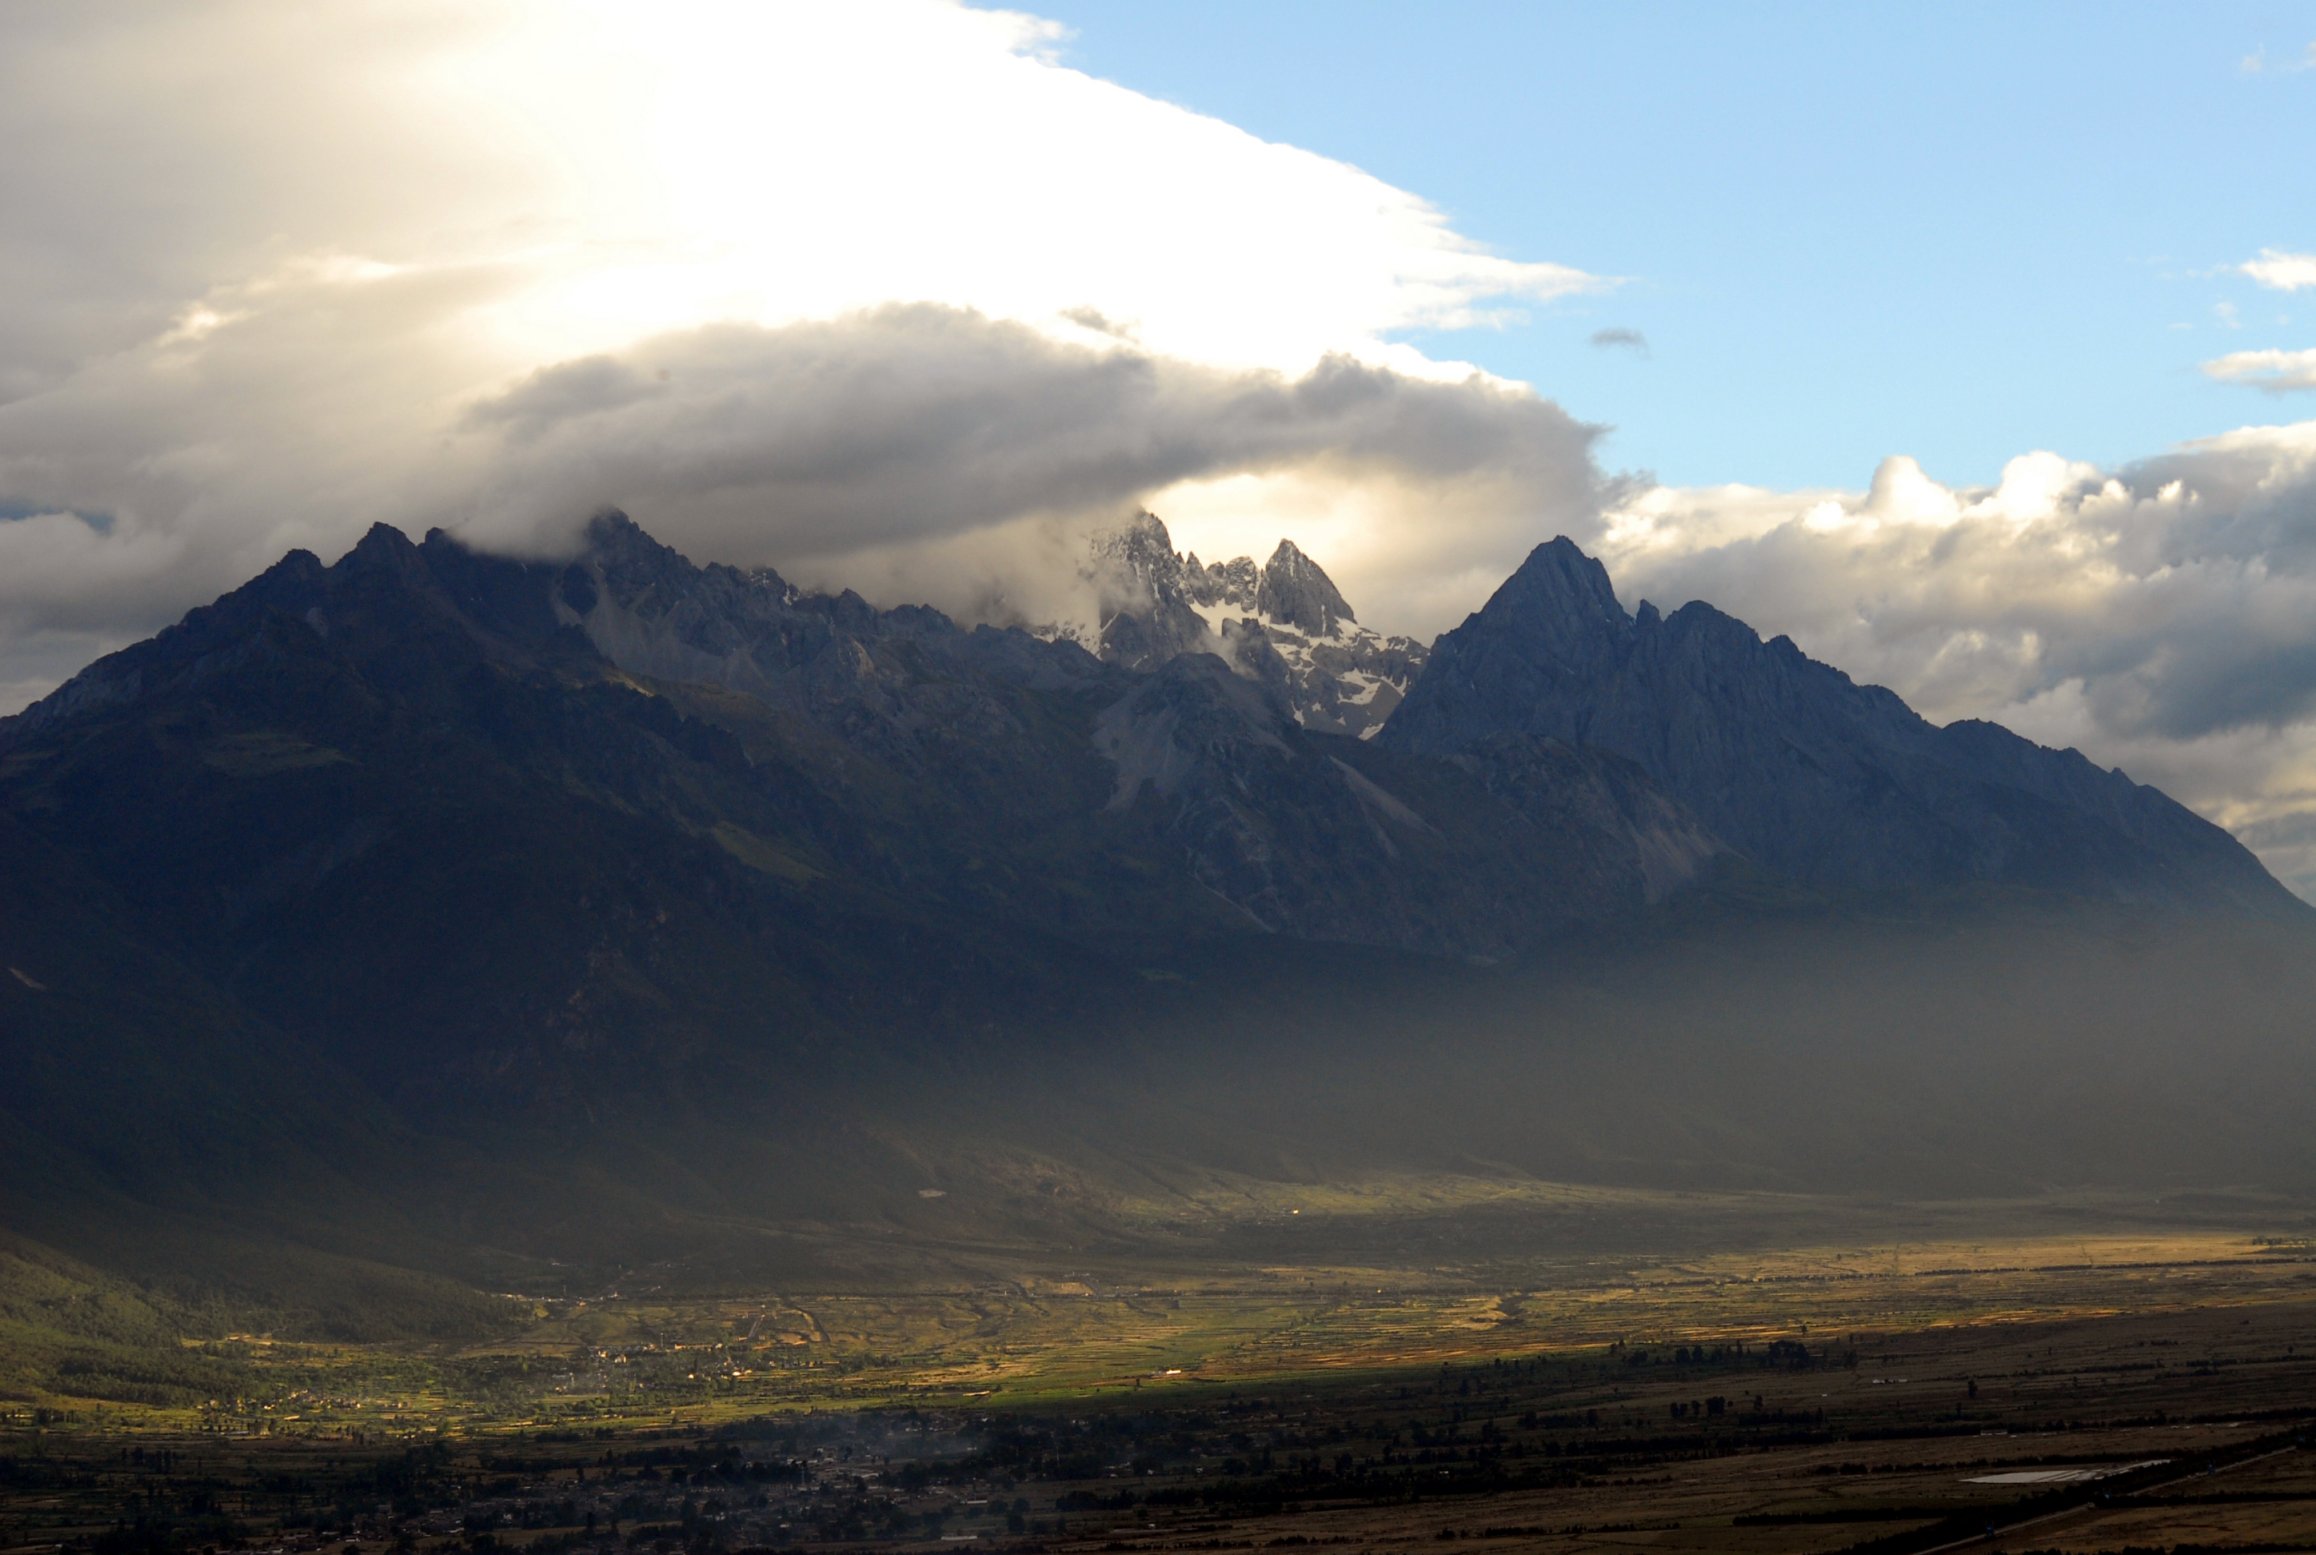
{"type": "Point", "coordinates": [930, 453]}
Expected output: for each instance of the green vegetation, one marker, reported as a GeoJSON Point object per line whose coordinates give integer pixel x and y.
{"type": "Point", "coordinates": [1024, 1327]}
{"type": "Point", "coordinates": [2178, 1429]}
{"type": "Point", "coordinates": [68, 1332]}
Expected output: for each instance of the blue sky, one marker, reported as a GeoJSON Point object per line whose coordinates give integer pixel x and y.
{"type": "Point", "coordinates": [1959, 232]}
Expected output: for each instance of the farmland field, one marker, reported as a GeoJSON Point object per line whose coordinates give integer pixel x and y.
{"type": "Point", "coordinates": [1836, 1394]}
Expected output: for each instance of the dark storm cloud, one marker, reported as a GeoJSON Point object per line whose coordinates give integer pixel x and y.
{"type": "Point", "coordinates": [261, 263]}
{"type": "Point", "coordinates": [919, 423]}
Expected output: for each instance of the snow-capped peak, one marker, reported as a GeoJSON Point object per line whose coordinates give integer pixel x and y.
{"type": "Point", "coordinates": [1283, 622]}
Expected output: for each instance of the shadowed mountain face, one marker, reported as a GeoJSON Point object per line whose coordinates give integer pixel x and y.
{"type": "Point", "coordinates": [432, 898]}
{"type": "Point", "coordinates": [1824, 781]}
{"type": "Point", "coordinates": [524, 812]}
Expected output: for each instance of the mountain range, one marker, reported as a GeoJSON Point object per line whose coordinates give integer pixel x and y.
{"type": "Point", "coordinates": [432, 907]}
{"type": "Point", "coordinates": [1773, 756]}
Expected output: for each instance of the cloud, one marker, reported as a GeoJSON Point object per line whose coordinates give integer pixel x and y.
{"type": "Point", "coordinates": [1095, 322]}
{"type": "Point", "coordinates": [816, 445]}
{"type": "Point", "coordinates": [2280, 271]}
{"type": "Point", "coordinates": [274, 277]}
{"type": "Point", "coordinates": [1621, 340]}
{"type": "Point", "coordinates": [2256, 63]}
{"type": "Point", "coordinates": [2276, 372]}
{"type": "Point", "coordinates": [2161, 616]}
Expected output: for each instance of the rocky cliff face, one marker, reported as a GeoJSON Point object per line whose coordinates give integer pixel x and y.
{"type": "Point", "coordinates": [1283, 624]}
{"type": "Point", "coordinates": [1221, 770]}
{"type": "Point", "coordinates": [1825, 781]}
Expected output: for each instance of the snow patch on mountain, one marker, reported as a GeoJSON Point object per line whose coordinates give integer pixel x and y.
{"type": "Point", "coordinates": [1282, 623]}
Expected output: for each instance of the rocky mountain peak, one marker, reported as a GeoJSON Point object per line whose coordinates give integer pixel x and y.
{"type": "Point", "coordinates": [1139, 554]}
{"type": "Point", "coordinates": [1233, 584]}
{"type": "Point", "coordinates": [1146, 616]}
{"type": "Point", "coordinates": [1296, 592]}
{"type": "Point", "coordinates": [383, 551]}
{"type": "Point", "coordinates": [1816, 777]}
{"type": "Point", "coordinates": [1281, 623]}
{"type": "Point", "coordinates": [612, 533]}
{"type": "Point", "coordinates": [619, 551]}
{"type": "Point", "coordinates": [1562, 600]}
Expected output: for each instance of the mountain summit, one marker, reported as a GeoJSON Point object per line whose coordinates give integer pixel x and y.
{"type": "Point", "coordinates": [1284, 624]}
{"type": "Point", "coordinates": [1822, 780]}
{"type": "Point", "coordinates": [1294, 592]}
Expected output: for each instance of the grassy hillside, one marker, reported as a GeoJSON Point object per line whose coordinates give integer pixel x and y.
{"type": "Point", "coordinates": [70, 1330]}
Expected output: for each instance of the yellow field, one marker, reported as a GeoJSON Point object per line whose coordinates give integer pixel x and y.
{"type": "Point", "coordinates": [1059, 1333]}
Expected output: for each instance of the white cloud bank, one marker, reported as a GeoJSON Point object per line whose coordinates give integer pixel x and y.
{"type": "Point", "coordinates": [277, 273]}
{"type": "Point", "coordinates": [931, 453]}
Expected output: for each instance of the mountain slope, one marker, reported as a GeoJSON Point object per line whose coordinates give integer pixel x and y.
{"type": "Point", "coordinates": [440, 902]}
{"type": "Point", "coordinates": [1047, 764]}
{"type": "Point", "coordinates": [1832, 784]}
{"type": "Point", "coordinates": [440, 912]}
{"type": "Point", "coordinates": [566, 830]}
